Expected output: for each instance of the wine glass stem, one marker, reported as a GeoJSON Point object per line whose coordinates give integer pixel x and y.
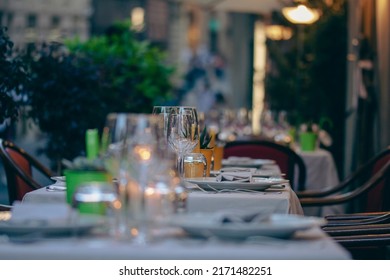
{"type": "Point", "coordinates": [180, 165]}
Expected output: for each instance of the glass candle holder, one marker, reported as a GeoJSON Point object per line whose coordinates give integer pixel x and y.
{"type": "Point", "coordinates": [195, 165]}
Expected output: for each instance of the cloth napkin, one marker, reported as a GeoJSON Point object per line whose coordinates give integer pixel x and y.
{"type": "Point", "coordinates": [38, 213]}
{"type": "Point", "coordinates": [241, 177]}
{"type": "Point", "coordinates": [242, 216]}
{"type": "Point", "coordinates": [59, 185]}
{"type": "Point", "coordinates": [239, 159]}
{"type": "Point", "coordinates": [237, 169]}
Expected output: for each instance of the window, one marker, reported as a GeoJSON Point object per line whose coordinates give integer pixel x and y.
{"type": "Point", "coordinates": [55, 21]}
{"type": "Point", "coordinates": [31, 20]}
{"type": "Point", "coordinates": [10, 19]}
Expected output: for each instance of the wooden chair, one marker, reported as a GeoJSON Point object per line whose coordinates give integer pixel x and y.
{"type": "Point", "coordinates": [366, 190]}
{"type": "Point", "coordinates": [285, 157]}
{"type": "Point", "coordinates": [20, 170]}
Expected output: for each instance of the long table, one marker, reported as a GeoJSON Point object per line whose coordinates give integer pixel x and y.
{"type": "Point", "coordinates": [173, 243]}
{"type": "Point", "coordinates": [306, 245]}
{"type": "Point", "coordinates": [282, 201]}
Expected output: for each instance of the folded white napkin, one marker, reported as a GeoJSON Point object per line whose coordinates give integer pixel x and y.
{"type": "Point", "coordinates": [235, 176]}
{"type": "Point", "coordinates": [237, 169]}
{"type": "Point", "coordinates": [57, 186]}
{"type": "Point", "coordinates": [241, 216]}
{"type": "Point", "coordinates": [38, 213]}
{"type": "Point", "coordinates": [238, 159]}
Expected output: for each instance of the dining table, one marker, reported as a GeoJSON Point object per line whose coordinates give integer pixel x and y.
{"type": "Point", "coordinates": [175, 242]}
{"type": "Point", "coordinates": [321, 172]}
{"type": "Point", "coordinates": [282, 200]}
{"type": "Point", "coordinates": [312, 244]}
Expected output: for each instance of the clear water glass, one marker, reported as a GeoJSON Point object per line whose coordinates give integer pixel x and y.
{"type": "Point", "coordinates": [100, 201]}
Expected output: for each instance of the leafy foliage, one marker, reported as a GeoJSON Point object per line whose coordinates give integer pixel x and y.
{"type": "Point", "coordinates": [205, 139]}
{"type": "Point", "coordinates": [75, 86]}
{"type": "Point", "coordinates": [309, 83]}
{"type": "Point", "coordinates": [12, 76]}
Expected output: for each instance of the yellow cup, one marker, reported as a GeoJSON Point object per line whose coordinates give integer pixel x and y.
{"type": "Point", "coordinates": [218, 156]}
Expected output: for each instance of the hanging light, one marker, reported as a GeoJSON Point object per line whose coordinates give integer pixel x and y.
{"type": "Point", "coordinates": [278, 32]}
{"type": "Point", "coordinates": [137, 19]}
{"type": "Point", "coordinates": [301, 14]}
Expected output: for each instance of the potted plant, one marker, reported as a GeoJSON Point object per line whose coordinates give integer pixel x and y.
{"type": "Point", "coordinates": [13, 75]}
{"type": "Point", "coordinates": [74, 86]}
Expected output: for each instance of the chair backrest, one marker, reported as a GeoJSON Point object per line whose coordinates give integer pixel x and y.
{"type": "Point", "coordinates": [19, 166]}
{"type": "Point", "coordinates": [365, 190]}
{"type": "Point", "coordinates": [286, 158]}
{"type": "Point", "coordinates": [378, 198]}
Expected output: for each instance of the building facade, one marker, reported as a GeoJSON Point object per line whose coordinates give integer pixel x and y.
{"type": "Point", "coordinates": [45, 20]}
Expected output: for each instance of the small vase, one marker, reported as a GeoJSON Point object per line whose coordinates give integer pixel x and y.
{"type": "Point", "coordinates": [308, 141]}
{"type": "Point", "coordinates": [74, 178]}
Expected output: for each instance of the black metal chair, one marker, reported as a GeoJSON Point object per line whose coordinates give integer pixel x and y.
{"type": "Point", "coordinates": [365, 235]}
{"type": "Point", "coordinates": [286, 158]}
{"type": "Point", "coordinates": [366, 190]}
{"type": "Point", "coordinates": [5, 208]}
{"type": "Point", "coordinates": [20, 168]}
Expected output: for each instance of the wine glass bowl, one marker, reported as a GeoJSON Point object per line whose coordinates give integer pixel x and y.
{"type": "Point", "coordinates": [182, 133]}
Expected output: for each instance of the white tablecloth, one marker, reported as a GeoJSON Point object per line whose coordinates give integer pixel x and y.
{"type": "Point", "coordinates": [321, 172]}
{"type": "Point", "coordinates": [282, 201]}
{"type": "Point", "coordinates": [307, 245]}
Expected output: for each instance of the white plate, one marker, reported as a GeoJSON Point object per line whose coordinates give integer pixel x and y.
{"type": "Point", "coordinates": [278, 225]}
{"type": "Point", "coordinates": [82, 225]}
{"type": "Point", "coordinates": [247, 162]}
{"type": "Point", "coordinates": [257, 183]}
{"type": "Point", "coordinates": [255, 173]}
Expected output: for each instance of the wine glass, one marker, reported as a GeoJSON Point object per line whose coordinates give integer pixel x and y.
{"type": "Point", "coordinates": [145, 153]}
{"type": "Point", "coordinates": [182, 133]}
{"type": "Point", "coordinates": [113, 150]}
{"type": "Point", "coordinates": [163, 113]}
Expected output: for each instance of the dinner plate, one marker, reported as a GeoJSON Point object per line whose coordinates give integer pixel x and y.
{"type": "Point", "coordinates": [247, 162]}
{"type": "Point", "coordinates": [257, 183]}
{"type": "Point", "coordinates": [255, 173]}
{"type": "Point", "coordinates": [81, 225]}
{"type": "Point", "coordinates": [277, 225]}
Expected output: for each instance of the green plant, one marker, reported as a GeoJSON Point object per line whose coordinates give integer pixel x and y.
{"type": "Point", "coordinates": [312, 86]}
{"type": "Point", "coordinates": [205, 139]}
{"type": "Point", "coordinates": [12, 77]}
{"type": "Point", "coordinates": [134, 72]}
{"type": "Point", "coordinates": [74, 86]}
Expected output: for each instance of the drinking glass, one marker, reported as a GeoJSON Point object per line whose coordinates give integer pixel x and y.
{"type": "Point", "coordinates": [195, 165]}
{"type": "Point", "coordinates": [145, 154]}
{"type": "Point", "coordinates": [101, 200]}
{"type": "Point", "coordinates": [113, 150]}
{"type": "Point", "coordinates": [163, 112]}
{"type": "Point", "coordinates": [182, 133]}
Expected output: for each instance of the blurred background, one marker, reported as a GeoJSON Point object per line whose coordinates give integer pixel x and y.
{"type": "Point", "coordinates": [247, 65]}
